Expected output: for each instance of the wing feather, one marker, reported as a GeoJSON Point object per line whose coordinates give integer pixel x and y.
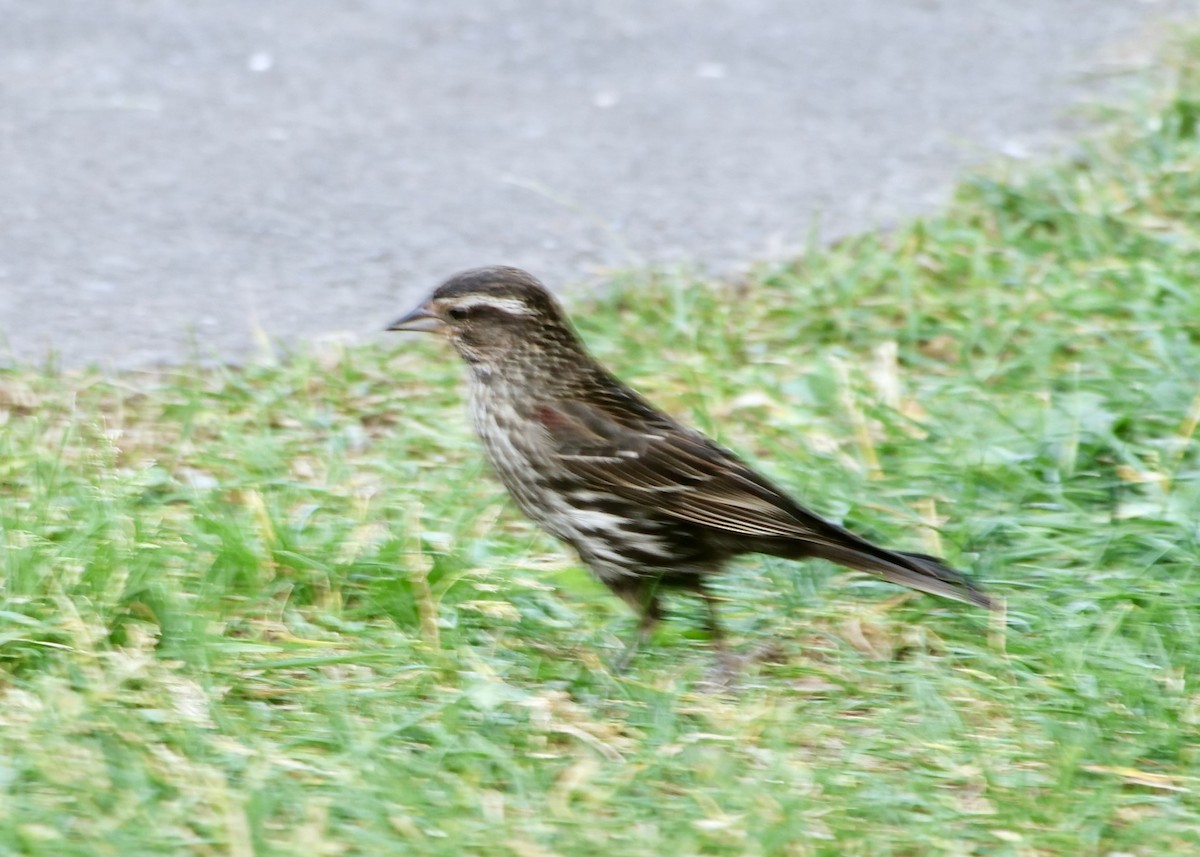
{"type": "Point", "coordinates": [674, 469]}
{"type": "Point", "coordinates": [636, 453]}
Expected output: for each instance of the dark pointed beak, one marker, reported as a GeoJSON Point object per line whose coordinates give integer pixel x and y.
{"type": "Point", "coordinates": [423, 319]}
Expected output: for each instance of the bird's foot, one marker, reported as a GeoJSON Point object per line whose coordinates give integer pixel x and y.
{"type": "Point", "coordinates": [724, 675]}
{"type": "Point", "coordinates": [621, 664]}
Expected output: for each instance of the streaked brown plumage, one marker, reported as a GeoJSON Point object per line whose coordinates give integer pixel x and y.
{"type": "Point", "coordinates": [646, 502]}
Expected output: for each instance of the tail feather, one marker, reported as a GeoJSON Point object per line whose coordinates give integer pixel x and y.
{"type": "Point", "coordinates": [916, 570]}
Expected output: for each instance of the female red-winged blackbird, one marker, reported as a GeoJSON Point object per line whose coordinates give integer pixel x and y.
{"type": "Point", "coordinates": [647, 503]}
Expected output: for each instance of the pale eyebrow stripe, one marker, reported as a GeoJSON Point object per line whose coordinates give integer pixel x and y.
{"type": "Point", "coordinates": [512, 306]}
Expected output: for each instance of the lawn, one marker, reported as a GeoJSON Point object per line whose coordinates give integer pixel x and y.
{"type": "Point", "coordinates": [282, 608]}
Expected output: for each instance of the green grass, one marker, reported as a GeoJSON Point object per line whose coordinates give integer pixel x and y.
{"type": "Point", "coordinates": [282, 609]}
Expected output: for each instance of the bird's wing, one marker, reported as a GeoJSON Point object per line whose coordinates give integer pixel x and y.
{"type": "Point", "coordinates": [649, 459]}
{"type": "Point", "coordinates": [633, 452]}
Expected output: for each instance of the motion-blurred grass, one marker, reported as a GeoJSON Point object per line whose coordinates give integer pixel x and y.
{"type": "Point", "coordinates": [282, 608]}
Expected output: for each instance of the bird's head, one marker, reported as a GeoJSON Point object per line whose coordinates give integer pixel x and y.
{"type": "Point", "coordinates": [491, 313]}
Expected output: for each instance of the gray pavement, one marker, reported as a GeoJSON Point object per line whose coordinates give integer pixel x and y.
{"type": "Point", "coordinates": [179, 175]}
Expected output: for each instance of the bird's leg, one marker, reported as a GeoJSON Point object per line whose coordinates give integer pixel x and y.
{"type": "Point", "coordinates": [641, 597]}
{"type": "Point", "coordinates": [714, 624]}
{"type": "Point", "coordinates": [724, 673]}
{"type": "Point", "coordinates": [644, 629]}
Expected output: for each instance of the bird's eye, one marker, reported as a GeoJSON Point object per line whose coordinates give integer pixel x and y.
{"type": "Point", "coordinates": [458, 313]}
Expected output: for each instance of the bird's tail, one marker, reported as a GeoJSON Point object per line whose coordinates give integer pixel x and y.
{"type": "Point", "coordinates": [916, 570]}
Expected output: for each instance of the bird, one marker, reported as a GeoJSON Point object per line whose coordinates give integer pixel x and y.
{"type": "Point", "coordinates": [649, 504]}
